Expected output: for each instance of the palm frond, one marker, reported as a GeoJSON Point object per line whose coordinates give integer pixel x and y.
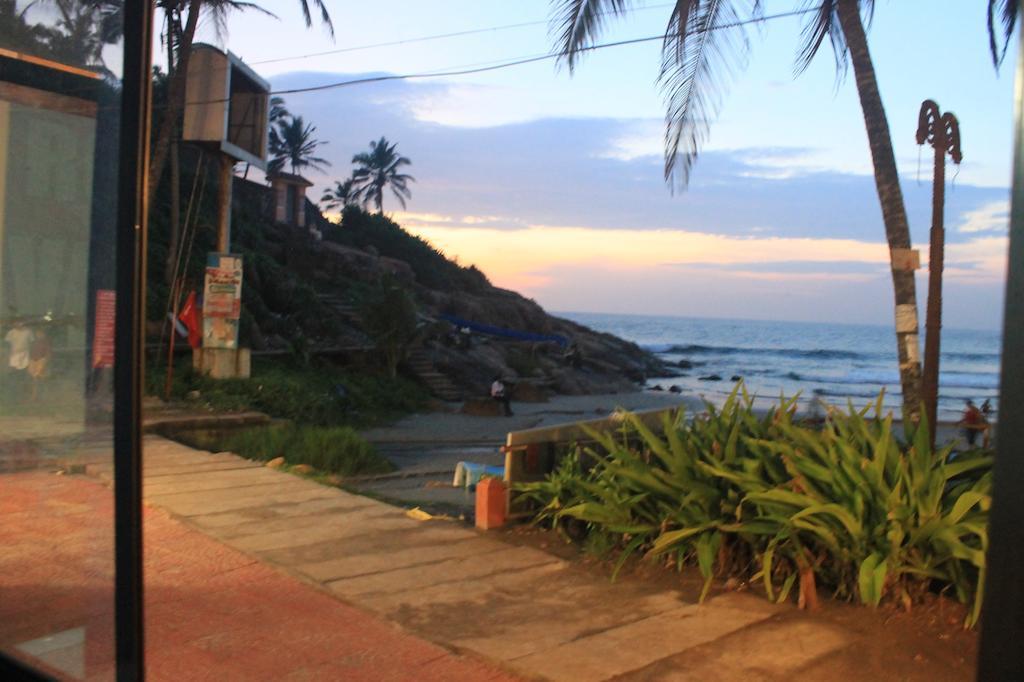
{"type": "Point", "coordinates": [577, 24]}
{"type": "Point", "coordinates": [325, 16]}
{"type": "Point", "coordinates": [704, 44]}
{"type": "Point", "coordinates": [1007, 10]}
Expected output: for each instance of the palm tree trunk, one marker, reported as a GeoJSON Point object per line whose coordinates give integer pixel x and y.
{"type": "Point", "coordinates": [175, 100]}
{"type": "Point", "coordinates": [887, 182]}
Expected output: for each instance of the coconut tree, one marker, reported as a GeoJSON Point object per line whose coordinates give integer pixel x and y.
{"type": "Point", "coordinates": [341, 195]}
{"type": "Point", "coordinates": [378, 169]}
{"type": "Point", "coordinates": [292, 144]}
{"type": "Point", "coordinates": [705, 41]}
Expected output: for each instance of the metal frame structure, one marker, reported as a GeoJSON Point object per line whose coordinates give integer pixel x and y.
{"type": "Point", "coordinates": [1002, 619]}
{"type": "Point", "coordinates": [131, 245]}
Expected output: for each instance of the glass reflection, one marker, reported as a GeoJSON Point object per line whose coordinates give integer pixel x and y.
{"type": "Point", "coordinates": [59, 103]}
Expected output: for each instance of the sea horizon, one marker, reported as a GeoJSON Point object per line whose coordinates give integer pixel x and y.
{"type": "Point", "coordinates": [821, 362]}
{"type": "Point", "coordinates": [568, 314]}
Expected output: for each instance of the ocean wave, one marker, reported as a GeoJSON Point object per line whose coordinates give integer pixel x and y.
{"type": "Point", "coordinates": [892, 378]}
{"type": "Point", "coordinates": [972, 357]}
{"type": "Point", "coordinates": [698, 349]}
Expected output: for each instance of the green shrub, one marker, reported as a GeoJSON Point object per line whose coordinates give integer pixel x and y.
{"type": "Point", "coordinates": [333, 450]}
{"type": "Point", "coordinates": [321, 394]}
{"type": "Point", "coordinates": [846, 504]}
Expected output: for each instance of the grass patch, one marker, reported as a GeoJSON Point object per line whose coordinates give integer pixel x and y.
{"type": "Point", "coordinates": [321, 394]}
{"type": "Point", "coordinates": [328, 449]}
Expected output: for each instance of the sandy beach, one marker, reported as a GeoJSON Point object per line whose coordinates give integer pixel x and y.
{"type": "Point", "coordinates": [452, 428]}
{"type": "Point", "coordinates": [426, 447]}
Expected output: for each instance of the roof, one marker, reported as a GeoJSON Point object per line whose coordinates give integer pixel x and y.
{"type": "Point", "coordinates": [289, 179]}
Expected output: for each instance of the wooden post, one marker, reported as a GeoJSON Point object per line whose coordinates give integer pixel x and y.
{"type": "Point", "coordinates": [227, 177]}
{"type": "Point", "coordinates": [943, 132]}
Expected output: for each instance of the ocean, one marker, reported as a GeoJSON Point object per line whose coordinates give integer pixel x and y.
{"type": "Point", "coordinates": [820, 361]}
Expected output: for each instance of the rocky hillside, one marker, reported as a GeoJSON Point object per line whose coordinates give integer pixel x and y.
{"type": "Point", "coordinates": [306, 292]}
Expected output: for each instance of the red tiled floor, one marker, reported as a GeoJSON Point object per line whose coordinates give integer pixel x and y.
{"type": "Point", "coordinates": [212, 613]}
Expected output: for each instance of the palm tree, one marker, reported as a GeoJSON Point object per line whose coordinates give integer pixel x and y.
{"type": "Point", "coordinates": [341, 195]}
{"type": "Point", "coordinates": [378, 169]}
{"type": "Point", "coordinates": [292, 143]}
{"type": "Point", "coordinates": [703, 43]}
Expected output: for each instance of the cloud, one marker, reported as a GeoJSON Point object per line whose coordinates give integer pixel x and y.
{"type": "Point", "coordinates": [991, 217]}
{"type": "Point", "coordinates": [574, 212]}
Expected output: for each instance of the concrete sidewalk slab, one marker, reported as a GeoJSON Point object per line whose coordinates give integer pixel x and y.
{"type": "Point", "coordinates": [520, 606]}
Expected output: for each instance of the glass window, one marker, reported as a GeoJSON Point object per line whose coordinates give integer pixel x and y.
{"type": "Point", "coordinates": [59, 106]}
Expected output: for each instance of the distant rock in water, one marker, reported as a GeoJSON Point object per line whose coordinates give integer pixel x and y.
{"type": "Point", "coordinates": [674, 389]}
{"type": "Point", "coordinates": [735, 377]}
{"type": "Point", "coordinates": [710, 377]}
{"type": "Point", "coordinates": [684, 364]}
{"type": "Point", "coordinates": [656, 387]}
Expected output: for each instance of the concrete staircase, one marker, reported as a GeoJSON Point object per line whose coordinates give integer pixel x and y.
{"type": "Point", "coordinates": [345, 309]}
{"type": "Point", "coordinates": [421, 365]}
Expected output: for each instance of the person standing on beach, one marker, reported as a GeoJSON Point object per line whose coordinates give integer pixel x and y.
{"type": "Point", "coordinates": [973, 422]}
{"type": "Point", "coordinates": [499, 394]}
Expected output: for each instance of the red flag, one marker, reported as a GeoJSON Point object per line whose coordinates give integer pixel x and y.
{"type": "Point", "coordinates": [189, 316]}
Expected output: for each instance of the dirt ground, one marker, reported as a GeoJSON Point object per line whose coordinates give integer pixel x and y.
{"type": "Point", "coordinates": [927, 643]}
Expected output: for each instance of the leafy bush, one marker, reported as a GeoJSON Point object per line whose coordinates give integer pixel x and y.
{"type": "Point", "coordinates": [389, 316]}
{"type": "Point", "coordinates": [321, 394]}
{"type": "Point", "coordinates": [766, 498]}
{"type": "Point", "coordinates": [333, 450]}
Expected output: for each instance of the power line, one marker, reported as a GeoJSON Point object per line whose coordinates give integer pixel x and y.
{"type": "Point", "coordinates": [528, 60]}
{"type": "Point", "coordinates": [439, 36]}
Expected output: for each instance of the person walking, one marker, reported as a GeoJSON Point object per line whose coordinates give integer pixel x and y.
{"type": "Point", "coordinates": [499, 394]}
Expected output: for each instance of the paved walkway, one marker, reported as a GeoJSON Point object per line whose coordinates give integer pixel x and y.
{"type": "Point", "coordinates": [520, 607]}
{"type": "Point", "coordinates": [212, 612]}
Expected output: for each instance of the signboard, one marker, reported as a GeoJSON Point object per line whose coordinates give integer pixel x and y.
{"type": "Point", "coordinates": [103, 338]}
{"type": "Point", "coordinates": [222, 300]}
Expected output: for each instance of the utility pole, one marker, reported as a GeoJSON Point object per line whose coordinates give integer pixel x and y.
{"type": "Point", "coordinates": [942, 131]}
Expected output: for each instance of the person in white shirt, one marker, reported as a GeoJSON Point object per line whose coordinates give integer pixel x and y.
{"type": "Point", "coordinates": [499, 394]}
{"type": "Point", "coordinates": [19, 338]}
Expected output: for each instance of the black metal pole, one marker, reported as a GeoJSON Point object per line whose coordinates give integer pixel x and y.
{"type": "Point", "coordinates": [129, 339]}
{"type": "Point", "coordinates": [1001, 656]}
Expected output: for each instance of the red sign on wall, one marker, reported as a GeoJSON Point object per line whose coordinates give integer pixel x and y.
{"type": "Point", "coordinates": [103, 338]}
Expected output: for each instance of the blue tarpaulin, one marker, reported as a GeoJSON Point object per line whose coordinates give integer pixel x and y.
{"type": "Point", "coordinates": [501, 331]}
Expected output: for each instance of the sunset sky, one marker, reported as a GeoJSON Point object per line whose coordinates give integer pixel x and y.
{"type": "Point", "coordinates": [552, 183]}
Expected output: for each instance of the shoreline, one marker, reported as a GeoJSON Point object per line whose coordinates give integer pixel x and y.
{"type": "Point", "coordinates": [452, 428]}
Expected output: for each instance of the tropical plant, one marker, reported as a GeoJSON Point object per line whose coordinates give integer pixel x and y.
{"type": "Point", "coordinates": [378, 169]}
{"type": "Point", "coordinates": [76, 33]}
{"type": "Point", "coordinates": [278, 111]}
{"type": "Point", "coordinates": [704, 42]}
{"type": "Point", "coordinates": [389, 317]}
{"type": "Point", "coordinates": [765, 498]}
{"type": "Point", "coordinates": [292, 143]}
{"type": "Point", "coordinates": [341, 195]}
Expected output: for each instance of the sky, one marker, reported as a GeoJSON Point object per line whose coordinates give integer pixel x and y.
{"type": "Point", "coordinates": [551, 182]}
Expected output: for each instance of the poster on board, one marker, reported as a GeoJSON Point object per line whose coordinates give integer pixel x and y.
{"type": "Point", "coordinates": [222, 300]}
{"type": "Point", "coordinates": [103, 339]}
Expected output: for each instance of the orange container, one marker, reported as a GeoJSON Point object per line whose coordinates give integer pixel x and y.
{"type": "Point", "coordinates": [491, 504]}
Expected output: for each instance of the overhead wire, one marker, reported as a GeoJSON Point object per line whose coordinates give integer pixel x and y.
{"type": "Point", "coordinates": [523, 60]}
{"type": "Point", "coordinates": [438, 36]}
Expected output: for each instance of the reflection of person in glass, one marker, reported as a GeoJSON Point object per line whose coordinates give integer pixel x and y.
{"type": "Point", "coordinates": [38, 359]}
{"type": "Point", "coordinates": [18, 339]}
